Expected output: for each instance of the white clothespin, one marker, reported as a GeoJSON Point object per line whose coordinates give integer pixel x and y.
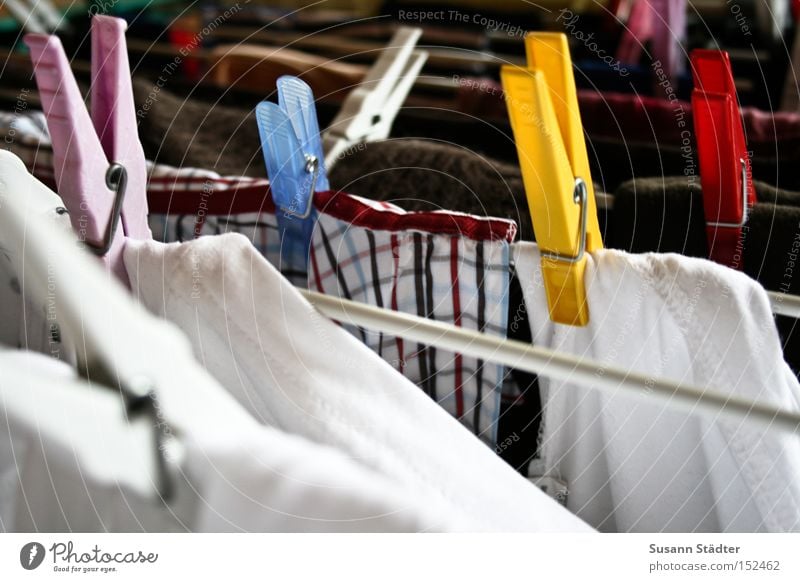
{"type": "Point", "coordinates": [36, 16]}
{"type": "Point", "coordinates": [27, 17]}
{"type": "Point", "coordinates": [369, 110]}
{"type": "Point", "coordinates": [51, 15]}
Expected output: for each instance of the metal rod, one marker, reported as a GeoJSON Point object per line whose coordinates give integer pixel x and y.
{"type": "Point", "coordinates": [784, 304]}
{"type": "Point", "coordinates": [554, 364]}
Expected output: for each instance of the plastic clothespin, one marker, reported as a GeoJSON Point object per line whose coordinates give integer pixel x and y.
{"type": "Point", "coordinates": [669, 30]}
{"type": "Point", "coordinates": [51, 15]}
{"type": "Point", "coordinates": [99, 163]}
{"type": "Point", "coordinates": [293, 155]}
{"type": "Point", "coordinates": [36, 16]}
{"type": "Point", "coordinates": [638, 30]}
{"type": "Point", "coordinates": [663, 24]}
{"type": "Point", "coordinates": [543, 108]}
{"type": "Point", "coordinates": [725, 173]}
{"type": "Point", "coordinates": [369, 110]}
{"type": "Point", "coordinates": [790, 99]}
{"type": "Point", "coordinates": [28, 16]}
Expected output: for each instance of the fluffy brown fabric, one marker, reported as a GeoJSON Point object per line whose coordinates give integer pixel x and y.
{"type": "Point", "coordinates": [188, 132]}
{"type": "Point", "coordinates": [427, 175]}
{"type": "Point", "coordinates": [666, 215]}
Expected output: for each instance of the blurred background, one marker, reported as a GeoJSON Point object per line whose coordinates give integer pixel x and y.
{"type": "Point", "coordinates": [228, 55]}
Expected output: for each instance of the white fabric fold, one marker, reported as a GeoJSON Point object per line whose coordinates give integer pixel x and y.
{"type": "Point", "coordinates": [294, 369]}
{"type": "Point", "coordinates": [639, 466]}
{"type": "Point", "coordinates": [72, 462]}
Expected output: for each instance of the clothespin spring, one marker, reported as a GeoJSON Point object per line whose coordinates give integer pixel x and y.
{"type": "Point", "coordinates": [140, 398]}
{"type": "Point", "coordinates": [745, 208]}
{"type": "Point", "coordinates": [580, 195]}
{"type": "Point", "coordinates": [312, 167]}
{"type": "Point", "coordinates": [117, 181]}
{"type": "Point", "coordinates": [146, 404]}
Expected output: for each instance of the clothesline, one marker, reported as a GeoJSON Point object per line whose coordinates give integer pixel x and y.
{"type": "Point", "coordinates": [556, 365]}
{"type": "Point", "coordinates": [784, 304]}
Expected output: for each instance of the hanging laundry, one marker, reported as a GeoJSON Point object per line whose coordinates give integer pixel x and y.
{"type": "Point", "coordinates": [666, 215]}
{"type": "Point", "coordinates": [444, 266]}
{"type": "Point", "coordinates": [61, 467]}
{"type": "Point", "coordinates": [80, 453]}
{"type": "Point", "coordinates": [632, 466]}
{"type": "Point", "coordinates": [28, 321]}
{"type": "Point", "coordinates": [293, 369]}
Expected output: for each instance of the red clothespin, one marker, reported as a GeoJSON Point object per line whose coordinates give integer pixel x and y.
{"type": "Point", "coordinates": [724, 162]}
{"type": "Point", "coordinates": [99, 163]}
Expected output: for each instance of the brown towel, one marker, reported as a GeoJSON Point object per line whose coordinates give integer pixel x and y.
{"type": "Point", "coordinates": [428, 175]}
{"type": "Point", "coordinates": [188, 132]}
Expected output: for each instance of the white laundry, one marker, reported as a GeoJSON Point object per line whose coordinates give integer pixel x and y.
{"type": "Point", "coordinates": [28, 320]}
{"type": "Point", "coordinates": [78, 465]}
{"type": "Point", "coordinates": [296, 370]}
{"type": "Point", "coordinates": [636, 466]}
{"type": "Point", "coordinates": [74, 459]}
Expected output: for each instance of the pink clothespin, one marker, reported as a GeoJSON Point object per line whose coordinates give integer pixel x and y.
{"type": "Point", "coordinates": [638, 30]}
{"type": "Point", "coordinates": [663, 23]}
{"type": "Point", "coordinates": [99, 163]}
{"type": "Point", "coordinates": [669, 31]}
{"type": "Point", "coordinates": [725, 173]}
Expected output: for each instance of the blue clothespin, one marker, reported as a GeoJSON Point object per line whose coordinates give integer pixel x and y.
{"type": "Point", "coordinates": [295, 163]}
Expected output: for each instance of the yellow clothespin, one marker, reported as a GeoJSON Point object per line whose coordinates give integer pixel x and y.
{"type": "Point", "coordinates": [543, 108]}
